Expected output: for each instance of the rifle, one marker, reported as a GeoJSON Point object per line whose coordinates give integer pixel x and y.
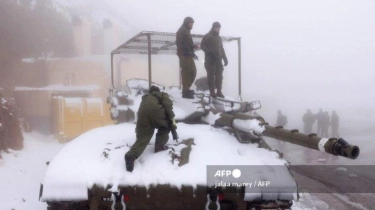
{"type": "Point", "coordinates": [189, 50]}
{"type": "Point", "coordinates": [173, 129]}
{"type": "Point", "coordinates": [169, 120]}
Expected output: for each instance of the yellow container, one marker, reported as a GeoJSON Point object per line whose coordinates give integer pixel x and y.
{"type": "Point", "coordinates": [74, 116]}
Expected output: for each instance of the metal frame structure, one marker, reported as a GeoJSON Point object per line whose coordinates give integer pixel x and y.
{"type": "Point", "coordinates": [163, 43]}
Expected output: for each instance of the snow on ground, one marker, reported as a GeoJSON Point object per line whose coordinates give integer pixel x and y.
{"type": "Point", "coordinates": [310, 202]}
{"type": "Point", "coordinates": [22, 172]}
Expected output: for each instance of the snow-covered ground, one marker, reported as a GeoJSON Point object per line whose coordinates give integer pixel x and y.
{"type": "Point", "coordinates": [22, 172]}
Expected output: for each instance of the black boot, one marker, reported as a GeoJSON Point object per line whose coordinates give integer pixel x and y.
{"type": "Point", "coordinates": [159, 149]}
{"type": "Point", "coordinates": [187, 94]}
{"type": "Point", "coordinates": [129, 162]}
{"type": "Point", "coordinates": [212, 93]}
{"type": "Point", "coordinates": [220, 94]}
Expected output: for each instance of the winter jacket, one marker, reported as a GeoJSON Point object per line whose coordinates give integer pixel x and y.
{"type": "Point", "coordinates": [184, 41]}
{"type": "Point", "coordinates": [155, 109]}
{"type": "Point", "coordinates": [212, 45]}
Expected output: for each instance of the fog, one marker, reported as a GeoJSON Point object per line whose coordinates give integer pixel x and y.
{"type": "Point", "coordinates": [296, 54]}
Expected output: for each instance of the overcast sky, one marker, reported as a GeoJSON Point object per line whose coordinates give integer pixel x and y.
{"type": "Point", "coordinates": [296, 54]}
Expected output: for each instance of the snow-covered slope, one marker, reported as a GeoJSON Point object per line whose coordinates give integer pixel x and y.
{"type": "Point", "coordinates": [97, 157]}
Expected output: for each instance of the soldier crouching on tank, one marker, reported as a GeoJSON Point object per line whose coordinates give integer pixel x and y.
{"type": "Point", "coordinates": [155, 112]}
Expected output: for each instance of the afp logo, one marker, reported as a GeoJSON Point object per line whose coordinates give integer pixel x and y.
{"type": "Point", "coordinates": [236, 173]}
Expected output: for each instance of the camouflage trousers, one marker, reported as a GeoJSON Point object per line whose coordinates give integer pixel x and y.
{"type": "Point", "coordinates": [214, 74]}
{"type": "Point", "coordinates": [188, 71]}
{"type": "Point", "coordinates": [144, 136]}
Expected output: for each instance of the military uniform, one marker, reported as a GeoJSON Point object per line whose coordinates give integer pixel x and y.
{"type": "Point", "coordinates": [308, 121]}
{"type": "Point", "coordinates": [282, 120]}
{"type": "Point", "coordinates": [320, 119]}
{"type": "Point", "coordinates": [335, 125]}
{"type": "Point", "coordinates": [212, 45]}
{"type": "Point", "coordinates": [185, 50]}
{"type": "Point", "coordinates": [325, 124]}
{"type": "Point", "coordinates": [153, 114]}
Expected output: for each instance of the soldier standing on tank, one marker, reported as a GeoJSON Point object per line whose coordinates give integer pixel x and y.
{"type": "Point", "coordinates": [319, 118]}
{"type": "Point", "coordinates": [308, 121]}
{"type": "Point", "coordinates": [212, 46]}
{"type": "Point", "coordinates": [335, 124]}
{"type": "Point", "coordinates": [325, 124]}
{"type": "Point", "coordinates": [155, 112]}
{"type": "Point", "coordinates": [186, 55]}
{"type": "Point", "coordinates": [282, 120]}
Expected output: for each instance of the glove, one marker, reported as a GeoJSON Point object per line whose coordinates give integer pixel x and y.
{"type": "Point", "coordinates": [225, 62]}
{"type": "Point", "coordinates": [174, 124]}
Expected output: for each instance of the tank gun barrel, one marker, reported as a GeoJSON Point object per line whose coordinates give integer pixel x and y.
{"type": "Point", "coordinates": [334, 146]}
{"type": "Point", "coordinates": [251, 124]}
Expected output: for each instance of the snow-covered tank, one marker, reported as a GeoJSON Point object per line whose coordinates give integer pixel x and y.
{"type": "Point", "coordinates": [220, 162]}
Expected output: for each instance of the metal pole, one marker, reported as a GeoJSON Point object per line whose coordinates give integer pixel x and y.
{"type": "Point", "coordinates": [112, 79]}
{"type": "Point", "coordinates": [149, 60]}
{"type": "Point", "coordinates": [239, 69]}
{"type": "Point", "coordinates": [119, 76]}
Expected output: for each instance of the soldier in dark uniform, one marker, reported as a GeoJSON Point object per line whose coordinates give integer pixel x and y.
{"type": "Point", "coordinates": [308, 121]}
{"type": "Point", "coordinates": [319, 118]}
{"type": "Point", "coordinates": [185, 52]}
{"type": "Point", "coordinates": [155, 112]}
{"type": "Point", "coordinates": [335, 124]}
{"type": "Point", "coordinates": [325, 124]}
{"type": "Point", "coordinates": [212, 46]}
{"type": "Point", "coordinates": [282, 120]}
